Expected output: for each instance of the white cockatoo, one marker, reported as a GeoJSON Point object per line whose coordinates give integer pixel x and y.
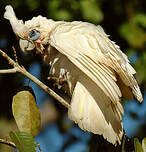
{"type": "Point", "coordinates": [97, 72]}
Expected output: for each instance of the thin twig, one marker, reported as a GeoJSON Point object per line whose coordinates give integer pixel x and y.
{"type": "Point", "coordinates": [43, 86]}
{"type": "Point", "coordinates": [14, 70]}
{"type": "Point", "coordinates": [9, 143]}
{"type": "Point", "coordinates": [15, 54]}
{"type": "Point", "coordinates": [38, 145]}
{"type": "Point", "coordinates": [22, 70]}
{"type": "Point", "coordinates": [10, 61]}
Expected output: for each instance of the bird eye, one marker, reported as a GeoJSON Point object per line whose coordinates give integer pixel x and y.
{"type": "Point", "coordinates": [34, 35]}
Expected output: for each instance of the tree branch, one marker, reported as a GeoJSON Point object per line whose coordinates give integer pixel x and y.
{"type": "Point", "coordinates": [9, 143]}
{"type": "Point", "coordinates": [14, 70]}
{"type": "Point", "coordinates": [21, 69]}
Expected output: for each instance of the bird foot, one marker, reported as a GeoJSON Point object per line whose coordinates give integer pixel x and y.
{"type": "Point", "coordinates": [57, 82]}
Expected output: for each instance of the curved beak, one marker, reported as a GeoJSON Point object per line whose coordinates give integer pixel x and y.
{"type": "Point", "coordinates": [26, 45]}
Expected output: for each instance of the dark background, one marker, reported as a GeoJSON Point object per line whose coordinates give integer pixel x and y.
{"type": "Point", "coordinates": [123, 20]}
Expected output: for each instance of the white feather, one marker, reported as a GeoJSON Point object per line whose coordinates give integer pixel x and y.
{"type": "Point", "coordinates": [80, 40]}
{"type": "Point", "coordinates": [87, 56]}
{"type": "Point", "coordinates": [92, 110]}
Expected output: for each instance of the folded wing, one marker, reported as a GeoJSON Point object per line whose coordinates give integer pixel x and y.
{"type": "Point", "coordinates": [96, 100]}
{"type": "Point", "coordinates": [92, 110]}
{"type": "Point", "coordinates": [90, 49]}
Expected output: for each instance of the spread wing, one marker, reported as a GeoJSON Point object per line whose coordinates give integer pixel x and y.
{"type": "Point", "coordinates": [89, 48]}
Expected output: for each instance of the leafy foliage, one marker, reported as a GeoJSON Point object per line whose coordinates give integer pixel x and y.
{"type": "Point", "coordinates": [26, 112]}
{"type": "Point", "coordinates": [23, 141]}
{"type": "Point", "coordinates": [133, 32]}
{"type": "Point", "coordinates": [91, 11]}
{"type": "Point", "coordinates": [144, 144]}
{"type": "Point", "coordinates": [138, 146]}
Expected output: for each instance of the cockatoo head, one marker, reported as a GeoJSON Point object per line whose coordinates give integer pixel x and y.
{"type": "Point", "coordinates": [33, 33]}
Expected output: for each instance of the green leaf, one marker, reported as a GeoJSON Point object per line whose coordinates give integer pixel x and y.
{"type": "Point", "coordinates": [144, 144]}
{"type": "Point", "coordinates": [23, 141]}
{"type": "Point", "coordinates": [134, 35]}
{"type": "Point", "coordinates": [16, 140]}
{"type": "Point", "coordinates": [31, 4]}
{"type": "Point", "coordinates": [58, 13]}
{"type": "Point", "coordinates": [91, 11]}
{"type": "Point", "coordinates": [63, 14]}
{"type": "Point", "coordinates": [123, 145]}
{"type": "Point", "coordinates": [140, 66]}
{"type": "Point", "coordinates": [137, 145]}
{"type": "Point", "coordinates": [53, 7]}
{"type": "Point", "coordinates": [26, 112]}
{"type": "Point", "coordinates": [140, 19]}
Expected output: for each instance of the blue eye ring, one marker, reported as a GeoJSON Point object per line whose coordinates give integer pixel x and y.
{"type": "Point", "coordinates": [34, 35]}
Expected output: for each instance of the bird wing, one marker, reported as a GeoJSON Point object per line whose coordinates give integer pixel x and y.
{"type": "Point", "coordinates": [89, 48]}
{"type": "Point", "coordinates": [94, 112]}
